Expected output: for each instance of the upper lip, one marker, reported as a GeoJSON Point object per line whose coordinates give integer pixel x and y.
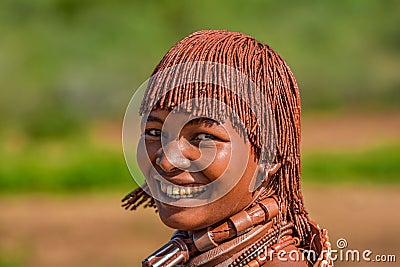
{"type": "Point", "coordinates": [182, 178]}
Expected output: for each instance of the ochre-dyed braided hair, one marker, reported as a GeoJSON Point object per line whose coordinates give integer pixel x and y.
{"type": "Point", "coordinates": [276, 87]}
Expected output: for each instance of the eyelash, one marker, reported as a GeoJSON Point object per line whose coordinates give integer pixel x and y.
{"type": "Point", "coordinates": [207, 137]}
{"type": "Point", "coordinates": [199, 137]}
{"type": "Point", "coordinates": [149, 132]}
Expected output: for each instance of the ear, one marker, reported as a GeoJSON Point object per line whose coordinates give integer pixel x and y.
{"type": "Point", "coordinates": [272, 169]}
{"type": "Point", "coordinates": [263, 175]}
{"type": "Point", "coordinates": [267, 172]}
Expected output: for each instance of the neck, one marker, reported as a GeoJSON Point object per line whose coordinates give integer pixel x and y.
{"type": "Point", "coordinates": [218, 242]}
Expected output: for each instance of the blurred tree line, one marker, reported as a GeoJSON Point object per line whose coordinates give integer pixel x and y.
{"type": "Point", "coordinates": [67, 63]}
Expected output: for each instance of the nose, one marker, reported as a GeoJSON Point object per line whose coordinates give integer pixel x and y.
{"type": "Point", "coordinates": [170, 157]}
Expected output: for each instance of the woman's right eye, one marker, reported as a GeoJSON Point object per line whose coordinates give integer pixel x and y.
{"type": "Point", "coordinates": [153, 132]}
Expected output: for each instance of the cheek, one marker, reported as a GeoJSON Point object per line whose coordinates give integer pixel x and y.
{"type": "Point", "coordinates": [229, 163]}
{"type": "Point", "coordinates": [220, 163]}
{"type": "Point", "coordinates": [146, 155]}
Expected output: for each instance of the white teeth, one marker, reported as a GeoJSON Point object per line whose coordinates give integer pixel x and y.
{"type": "Point", "coordinates": [163, 187]}
{"type": "Point", "coordinates": [176, 191]}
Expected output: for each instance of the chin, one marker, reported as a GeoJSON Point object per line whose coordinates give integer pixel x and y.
{"type": "Point", "coordinates": [184, 218]}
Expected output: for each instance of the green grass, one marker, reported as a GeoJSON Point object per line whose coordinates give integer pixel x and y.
{"type": "Point", "coordinates": [375, 165]}
{"type": "Point", "coordinates": [68, 166]}
{"type": "Point", "coordinates": [12, 258]}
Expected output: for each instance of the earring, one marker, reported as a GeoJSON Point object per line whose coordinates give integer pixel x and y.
{"type": "Point", "coordinates": [158, 160]}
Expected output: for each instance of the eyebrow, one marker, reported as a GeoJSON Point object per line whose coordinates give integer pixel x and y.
{"type": "Point", "coordinates": [154, 119]}
{"type": "Point", "coordinates": [149, 119]}
{"type": "Point", "coordinates": [206, 121]}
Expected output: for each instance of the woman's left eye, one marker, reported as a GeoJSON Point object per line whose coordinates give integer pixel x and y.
{"type": "Point", "coordinates": [153, 132]}
{"type": "Point", "coordinates": [204, 137]}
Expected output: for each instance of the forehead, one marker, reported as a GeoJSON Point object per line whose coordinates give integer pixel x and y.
{"type": "Point", "coordinates": [165, 116]}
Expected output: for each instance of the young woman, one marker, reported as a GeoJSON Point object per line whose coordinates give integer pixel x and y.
{"type": "Point", "coordinates": [220, 153]}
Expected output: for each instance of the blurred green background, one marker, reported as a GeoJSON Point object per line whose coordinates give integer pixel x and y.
{"type": "Point", "coordinates": [68, 69]}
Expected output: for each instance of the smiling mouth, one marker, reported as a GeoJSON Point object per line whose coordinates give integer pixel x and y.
{"type": "Point", "coordinates": [182, 191]}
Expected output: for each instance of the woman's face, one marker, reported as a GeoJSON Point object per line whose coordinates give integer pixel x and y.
{"type": "Point", "coordinates": [201, 161]}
